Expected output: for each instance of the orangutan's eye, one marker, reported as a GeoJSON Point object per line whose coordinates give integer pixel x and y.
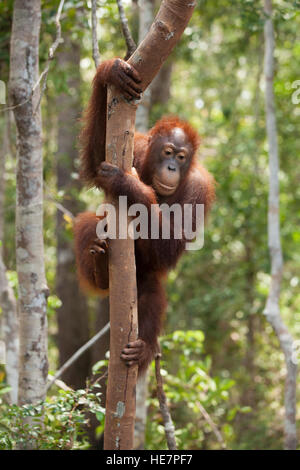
{"type": "Point", "coordinates": [168, 151]}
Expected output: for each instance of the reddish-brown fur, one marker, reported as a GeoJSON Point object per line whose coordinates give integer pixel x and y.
{"type": "Point", "coordinates": [153, 257]}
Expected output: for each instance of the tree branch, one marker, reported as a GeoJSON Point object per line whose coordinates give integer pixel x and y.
{"type": "Point", "coordinates": [44, 75]}
{"type": "Point", "coordinates": [77, 354]}
{"type": "Point", "coordinates": [131, 45]}
{"type": "Point", "coordinates": [209, 420]}
{"type": "Point", "coordinates": [168, 423]}
{"type": "Point", "coordinates": [60, 384]}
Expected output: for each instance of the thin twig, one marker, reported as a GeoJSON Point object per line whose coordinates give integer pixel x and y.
{"type": "Point", "coordinates": [60, 384]}
{"type": "Point", "coordinates": [52, 50]}
{"type": "Point", "coordinates": [167, 420]}
{"type": "Point", "coordinates": [131, 45]}
{"type": "Point", "coordinates": [78, 353]}
{"type": "Point", "coordinates": [214, 428]}
{"type": "Point", "coordinates": [61, 208]}
{"type": "Point", "coordinates": [96, 53]}
{"type": "Point", "coordinates": [58, 205]}
{"type": "Point", "coordinates": [44, 74]}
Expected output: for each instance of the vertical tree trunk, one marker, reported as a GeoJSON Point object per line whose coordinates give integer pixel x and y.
{"type": "Point", "coordinates": [272, 310]}
{"type": "Point", "coordinates": [146, 15]}
{"type": "Point", "coordinates": [73, 329]}
{"type": "Point", "coordinates": [159, 90]}
{"type": "Point", "coordinates": [24, 72]}
{"type": "Point", "coordinates": [147, 59]}
{"type": "Point", "coordinates": [120, 401]}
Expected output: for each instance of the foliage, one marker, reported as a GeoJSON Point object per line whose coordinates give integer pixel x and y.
{"type": "Point", "coordinates": [58, 423]}
{"type": "Point", "coordinates": [190, 387]}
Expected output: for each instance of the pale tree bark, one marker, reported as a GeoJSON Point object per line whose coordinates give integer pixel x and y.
{"type": "Point", "coordinates": [146, 15]}
{"type": "Point", "coordinates": [33, 291]}
{"type": "Point", "coordinates": [166, 30]}
{"type": "Point", "coordinates": [159, 90]}
{"type": "Point", "coordinates": [8, 301]}
{"type": "Point", "coordinates": [96, 53]}
{"type": "Point", "coordinates": [72, 316]}
{"type": "Point", "coordinates": [272, 309]}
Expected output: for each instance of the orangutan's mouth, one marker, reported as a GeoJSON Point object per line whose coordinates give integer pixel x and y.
{"type": "Point", "coordinates": [163, 188]}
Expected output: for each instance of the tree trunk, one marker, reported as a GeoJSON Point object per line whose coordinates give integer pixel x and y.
{"type": "Point", "coordinates": [272, 310]}
{"type": "Point", "coordinates": [73, 329]}
{"type": "Point", "coordinates": [33, 291]}
{"type": "Point", "coordinates": [32, 287]}
{"type": "Point", "coordinates": [147, 59]}
{"type": "Point", "coordinates": [146, 14]}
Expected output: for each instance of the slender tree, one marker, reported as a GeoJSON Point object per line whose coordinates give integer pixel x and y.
{"type": "Point", "coordinates": [33, 291]}
{"type": "Point", "coordinates": [166, 30]}
{"type": "Point", "coordinates": [272, 309]}
{"type": "Point", "coordinates": [146, 15]}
